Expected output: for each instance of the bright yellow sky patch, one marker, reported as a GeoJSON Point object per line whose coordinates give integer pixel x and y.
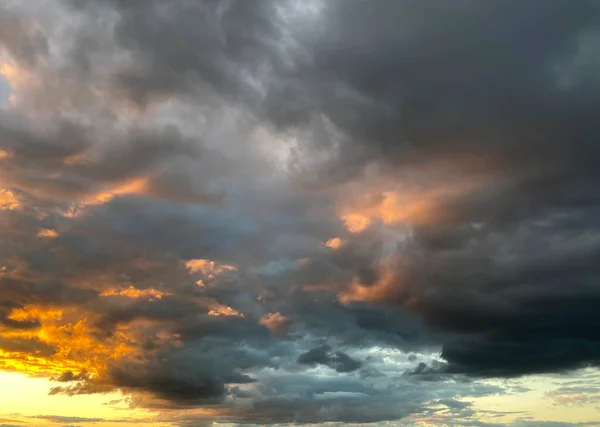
{"type": "Point", "coordinates": [28, 397]}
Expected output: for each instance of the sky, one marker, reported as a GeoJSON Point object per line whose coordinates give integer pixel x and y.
{"type": "Point", "coordinates": [282, 212]}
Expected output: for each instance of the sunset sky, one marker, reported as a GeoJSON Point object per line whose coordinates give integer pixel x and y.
{"type": "Point", "coordinates": [299, 212]}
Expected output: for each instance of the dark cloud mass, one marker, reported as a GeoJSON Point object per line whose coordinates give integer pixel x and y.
{"type": "Point", "coordinates": [337, 360]}
{"type": "Point", "coordinates": [299, 211]}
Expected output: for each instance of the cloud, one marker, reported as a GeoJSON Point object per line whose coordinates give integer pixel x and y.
{"type": "Point", "coordinates": [203, 203]}
{"type": "Point", "coordinates": [337, 360]}
{"type": "Point", "coordinates": [62, 419]}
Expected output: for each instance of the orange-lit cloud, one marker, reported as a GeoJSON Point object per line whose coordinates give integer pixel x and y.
{"type": "Point", "coordinates": [16, 78]}
{"type": "Point", "coordinates": [392, 207]}
{"type": "Point", "coordinates": [68, 333]}
{"type": "Point", "coordinates": [387, 284]}
{"type": "Point", "coordinates": [223, 310]}
{"type": "Point", "coordinates": [8, 200]}
{"type": "Point", "coordinates": [393, 201]}
{"type": "Point", "coordinates": [335, 243]}
{"type": "Point", "coordinates": [47, 233]}
{"type": "Point", "coordinates": [208, 268]}
{"type": "Point", "coordinates": [135, 293]}
{"type": "Point", "coordinates": [355, 222]}
{"type": "Point", "coordinates": [276, 323]}
{"type": "Point", "coordinates": [132, 186]}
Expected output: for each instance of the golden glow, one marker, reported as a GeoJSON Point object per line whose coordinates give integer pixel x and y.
{"type": "Point", "coordinates": [389, 208]}
{"type": "Point", "coordinates": [135, 293]}
{"type": "Point", "coordinates": [335, 243]}
{"type": "Point", "coordinates": [8, 201]}
{"type": "Point", "coordinates": [75, 346]}
{"type": "Point", "coordinates": [388, 285]}
{"type": "Point", "coordinates": [393, 200]}
{"type": "Point", "coordinates": [34, 312]}
{"type": "Point", "coordinates": [16, 78]}
{"type": "Point", "coordinates": [132, 186]}
{"type": "Point", "coordinates": [223, 310]}
{"type": "Point", "coordinates": [10, 72]}
{"type": "Point", "coordinates": [77, 159]}
{"type": "Point", "coordinates": [25, 401]}
{"type": "Point", "coordinates": [208, 268]}
{"type": "Point", "coordinates": [356, 222]}
{"type": "Point", "coordinates": [5, 154]}
{"type": "Point", "coordinates": [276, 323]}
{"type": "Point", "coordinates": [47, 233]}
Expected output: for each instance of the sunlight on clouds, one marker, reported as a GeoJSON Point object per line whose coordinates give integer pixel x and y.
{"type": "Point", "coordinates": [223, 310]}
{"type": "Point", "coordinates": [135, 293]}
{"type": "Point", "coordinates": [207, 267]}
{"type": "Point", "coordinates": [356, 222]}
{"type": "Point", "coordinates": [384, 288]}
{"type": "Point", "coordinates": [8, 201]}
{"type": "Point", "coordinates": [264, 217]}
{"type": "Point", "coordinates": [35, 312]}
{"type": "Point", "coordinates": [61, 343]}
{"type": "Point", "coordinates": [420, 200]}
{"type": "Point", "coordinates": [388, 208]}
{"type": "Point", "coordinates": [132, 186]}
{"type": "Point", "coordinates": [15, 77]}
{"type": "Point", "coordinates": [276, 323]}
{"type": "Point", "coordinates": [20, 80]}
{"type": "Point", "coordinates": [335, 243]}
{"type": "Point", "coordinates": [47, 233]}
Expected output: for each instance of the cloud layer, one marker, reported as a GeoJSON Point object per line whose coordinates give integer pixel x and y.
{"type": "Point", "coordinates": [262, 211]}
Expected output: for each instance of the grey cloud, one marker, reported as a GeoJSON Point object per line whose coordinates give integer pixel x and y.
{"type": "Point", "coordinates": [324, 355]}
{"type": "Point", "coordinates": [103, 163]}
{"type": "Point", "coordinates": [69, 376]}
{"type": "Point", "coordinates": [21, 38]}
{"type": "Point", "coordinates": [250, 121]}
{"type": "Point", "coordinates": [32, 346]}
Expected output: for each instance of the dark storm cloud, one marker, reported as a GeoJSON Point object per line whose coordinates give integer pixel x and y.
{"type": "Point", "coordinates": [324, 355]}
{"type": "Point", "coordinates": [100, 164]}
{"type": "Point", "coordinates": [439, 78]}
{"type": "Point", "coordinates": [513, 303]}
{"type": "Point", "coordinates": [479, 78]}
{"type": "Point", "coordinates": [198, 373]}
{"type": "Point", "coordinates": [68, 376]}
{"type": "Point", "coordinates": [27, 345]}
{"type": "Point", "coordinates": [504, 278]}
{"type": "Point", "coordinates": [44, 292]}
{"type": "Point", "coordinates": [187, 388]}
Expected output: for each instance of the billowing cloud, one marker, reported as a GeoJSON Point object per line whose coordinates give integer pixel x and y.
{"type": "Point", "coordinates": [274, 212]}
